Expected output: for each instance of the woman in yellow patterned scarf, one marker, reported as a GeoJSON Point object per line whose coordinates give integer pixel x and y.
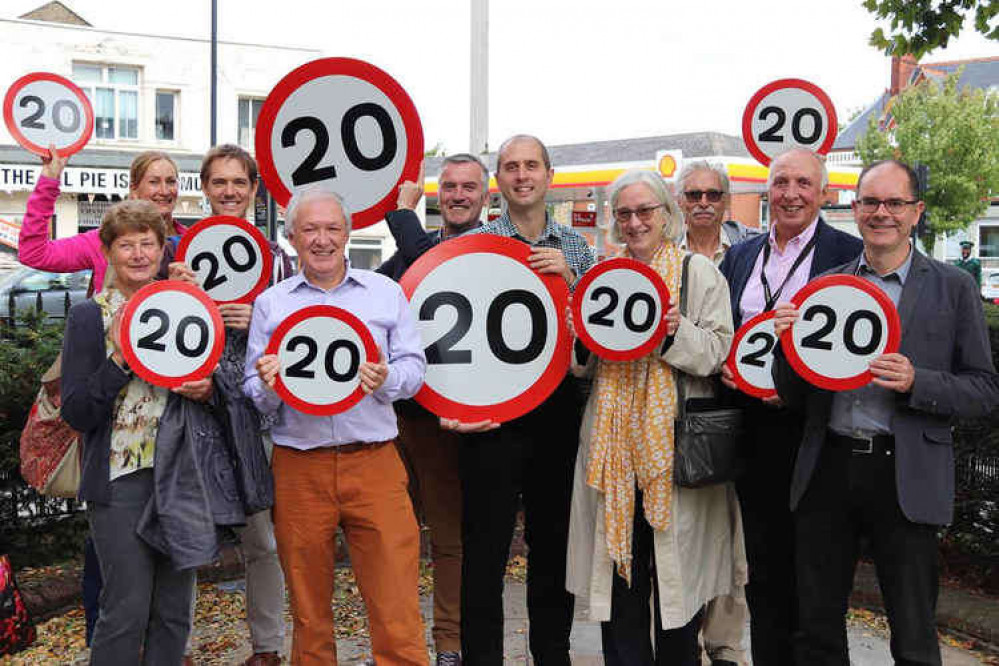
{"type": "Point", "coordinates": [145, 602]}
{"type": "Point", "coordinates": [633, 533]}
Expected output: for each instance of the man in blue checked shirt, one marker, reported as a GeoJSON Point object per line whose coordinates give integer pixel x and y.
{"type": "Point", "coordinates": [342, 470]}
{"type": "Point", "coordinates": [531, 457]}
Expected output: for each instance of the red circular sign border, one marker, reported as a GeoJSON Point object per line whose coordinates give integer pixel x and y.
{"type": "Point", "coordinates": [737, 377]}
{"type": "Point", "coordinates": [258, 237]}
{"type": "Point", "coordinates": [340, 67]}
{"type": "Point", "coordinates": [780, 84]}
{"type": "Point", "coordinates": [23, 141]}
{"type": "Point", "coordinates": [891, 344]}
{"type": "Point", "coordinates": [619, 263]}
{"type": "Point", "coordinates": [558, 290]}
{"type": "Point", "coordinates": [218, 344]}
{"type": "Point", "coordinates": [274, 346]}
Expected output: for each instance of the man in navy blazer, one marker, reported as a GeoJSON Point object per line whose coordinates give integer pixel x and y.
{"type": "Point", "coordinates": [877, 461]}
{"type": "Point", "coordinates": [800, 245]}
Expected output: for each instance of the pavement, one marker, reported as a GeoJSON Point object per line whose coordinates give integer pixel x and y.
{"type": "Point", "coordinates": [866, 647]}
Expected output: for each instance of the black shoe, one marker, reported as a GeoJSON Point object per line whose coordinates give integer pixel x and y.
{"type": "Point", "coordinates": [723, 662]}
{"type": "Point", "coordinates": [448, 659]}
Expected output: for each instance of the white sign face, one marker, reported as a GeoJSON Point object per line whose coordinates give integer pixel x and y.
{"type": "Point", "coordinates": [618, 309]}
{"type": "Point", "coordinates": [231, 257]}
{"type": "Point", "coordinates": [844, 323]}
{"type": "Point", "coordinates": [320, 349]}
{"type": "Point", "coordinates": [751, 357]}
{"type": "Point", "coordinates": [493, 329]}
{"type": "Point", "coordinates": [345, 122]}
{"type": "Point", "coordinates": [42, 109]}
{"type": "Point", "coordinates": [785, 114]}
{"type": "Point", "coordinates": [171, 333]}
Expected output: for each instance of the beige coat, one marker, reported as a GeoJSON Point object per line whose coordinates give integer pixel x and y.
{"type": "Point", "coordinates": [701, 555]}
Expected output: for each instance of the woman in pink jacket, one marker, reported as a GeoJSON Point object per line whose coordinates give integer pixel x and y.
{"type": "Point", "coordinates": [152, 176]}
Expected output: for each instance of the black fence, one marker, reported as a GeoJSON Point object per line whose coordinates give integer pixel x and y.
{"type": "Point", "coordinates": [54, 311]}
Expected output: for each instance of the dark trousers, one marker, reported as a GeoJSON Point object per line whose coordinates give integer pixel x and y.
{"type": "Point", "coordinates": [626, 637]}
{"type": "Point", "coordinates": [532, 457]}
{"type": "Point", "coordinates": [852, 496]}
{"type": "Point", "coordinates": [772, 440]}
{"type": "Point", "coordinates": [91, 584]}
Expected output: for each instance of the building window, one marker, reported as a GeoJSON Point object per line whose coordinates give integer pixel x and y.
{"type": "Point", "coordinates": [114, 92]}
{"type": "Point", "coordinates": [365, 253]}
{"type": "Point", "coordinates": [166, 111]}
{"type": "Point", "coordinates": [988, 234]}
{"type": "Point", "coordinates": [249, 112]}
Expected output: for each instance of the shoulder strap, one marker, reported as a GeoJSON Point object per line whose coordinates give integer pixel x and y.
{"type": "Point", "coordinates": [683, 283]}
{"type": "Point", "coordinates": [681, 392]}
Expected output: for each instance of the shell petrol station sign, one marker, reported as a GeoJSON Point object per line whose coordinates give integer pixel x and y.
{"type": "Point", "coordinates": [669, 163]}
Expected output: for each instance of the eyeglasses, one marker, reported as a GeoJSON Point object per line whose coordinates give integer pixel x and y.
{"type": "Point", "coordinates": [694, 196]}
{"type": "Point", "coordinates": [643, 213]}
{"type": "Point", "coordinates": [893, 206]}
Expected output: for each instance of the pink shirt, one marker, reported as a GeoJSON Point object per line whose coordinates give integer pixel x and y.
{"type": "Point", "coordinates": [753, 299]}
{"type": "Point", "coordinates": [64, 255]}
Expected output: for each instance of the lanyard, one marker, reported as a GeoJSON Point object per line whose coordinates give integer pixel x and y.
{"type": "Point", "coordinates": [771, 298]}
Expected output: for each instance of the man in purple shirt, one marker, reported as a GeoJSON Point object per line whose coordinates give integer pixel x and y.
{"type": "Point", "coordinates": [761, 271]}
{"type": "Point", "coordinates": [342, 470]}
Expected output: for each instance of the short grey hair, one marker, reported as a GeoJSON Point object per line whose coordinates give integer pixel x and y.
{"type": "Point", "coordinates": [656, 185]}
{"type": "Point", "coordinates": [703, 165]}
{"type": "Point", "coordinates": [468, 158]}
{"type": "Point", "coordinates": [823, 171]}
{"type": "Point", "coordinates": [312, 192]}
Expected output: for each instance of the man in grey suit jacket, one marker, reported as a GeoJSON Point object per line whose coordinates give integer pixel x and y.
{"type": "Point", "coordinates": [877, 462]}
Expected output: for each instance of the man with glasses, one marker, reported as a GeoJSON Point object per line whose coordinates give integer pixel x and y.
{"type": "Point", "coordinates": [704, 197]}
{"type": "Point", "coordinates": [876, 463]}
{"type": "Point", "coordinates": [761, 271]}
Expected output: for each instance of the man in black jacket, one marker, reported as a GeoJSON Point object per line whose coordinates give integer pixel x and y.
{"type": "Point", "coordinates": [799, 246]}
{"type": "Point", "coordinates": [463, 190]}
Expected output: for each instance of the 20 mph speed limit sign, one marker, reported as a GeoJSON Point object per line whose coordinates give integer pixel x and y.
{"type": "Point", "coordinates": [171, 332]}
{"type": "Point", "coordinates": [344, 122]}
{"type": "Point", "coordinates": [844, 323]}
{"type": "Point", "coordinates": [231, 257]}
{"type": "Point", "coordinates": [493, 329]}
{"type": "Point", "coordinates": [785, 114]}
{"type": "Point", "coordinates": [42, 109]}
{"type": "Point", "coordinates": [618, 309]}
{"type": "Point", "coordinates": [321, 349]}
{"type": "Point", "coordinates": [752, 356]}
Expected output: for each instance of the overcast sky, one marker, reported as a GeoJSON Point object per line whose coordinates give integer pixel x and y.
{"type": "Point", "coordinates": [567, 70]}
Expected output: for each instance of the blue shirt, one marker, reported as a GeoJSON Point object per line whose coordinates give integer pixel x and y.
{"type": "Point", "coordinates": [868, 410]}
{"type": "Point", "coordinates": [381, 305]}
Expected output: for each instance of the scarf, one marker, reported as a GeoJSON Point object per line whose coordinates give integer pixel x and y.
{"type": "Point", "coordinates": [633, 434]}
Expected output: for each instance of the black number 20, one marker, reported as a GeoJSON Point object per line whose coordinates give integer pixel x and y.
{"type": "Point", "coordinates": [755, 357]}
{"type": "Point", "coordinates": [772, 133]}
{"type": "Point", "coordinates": [816, 340]}
{"type": "Point", "coordinates": [32, 120]}
{"type": "Point", "coordinates": [300, 368]}
{"type": "Point", "coordinates": [309, 170]}
{"type": "Point", "coordinates": [600, 317]}
{"type": "Point", "coordinates": [149, 341]}
{"type": "Point", "coordinates": [213, 279]}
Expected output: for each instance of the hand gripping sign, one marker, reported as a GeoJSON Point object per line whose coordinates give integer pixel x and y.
{"type": "Point", "coordinates": [751, 356]}
{"type": "Point", "coordinates": [618, 309]}
{"type": "Point", "coordinates": [788, 113]}
{"type": "Point", "coordinates": [343, 121]}
{"type": "Point", "coordinates": [42, 109]}
{"type": "Point", "coordinates": [494, 329]}
{"type": "Point", "coordinates": [844, 322]}
{"type": "Point", "coordinates": [231, 257]}
{"type": "Point", "coordinates": [171, 332]}
{"type": "Point", "coordinates": [321, 349]}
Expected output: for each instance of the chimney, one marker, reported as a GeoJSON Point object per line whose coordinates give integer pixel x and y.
{"type": "Point", "coordinates": [901, 71]}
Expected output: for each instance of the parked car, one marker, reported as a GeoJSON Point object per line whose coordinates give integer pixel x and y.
{"type": "Point", "coordinates": [990, 285]}
{"type": "Point", "coordinates": [22, 289]}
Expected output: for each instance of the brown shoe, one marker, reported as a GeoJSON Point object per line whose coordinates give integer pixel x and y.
{"type": "Point", "coordinates": [264, 659]}
{"type": "Point", "coordinates": [188, 660]}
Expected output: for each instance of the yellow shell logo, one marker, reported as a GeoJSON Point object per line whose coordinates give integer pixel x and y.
{"type": "Point", "coordinates": [667, 166]}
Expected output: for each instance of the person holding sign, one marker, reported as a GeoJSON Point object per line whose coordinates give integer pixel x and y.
{"type": "Point", "coordinates": [152, 176]}
{"type": "Point", "coordinates": [531, 456]}
{"type": "Point", "coordinates": [342, 470]}
{"type": "Point", "coordinates": [634, 533]}
{"type": "Point", "coordinates": [876, 461]}
{"type": "Point", "coordinates": [761, 270]}
{"type": "Point", "coordinates": [146, 601]}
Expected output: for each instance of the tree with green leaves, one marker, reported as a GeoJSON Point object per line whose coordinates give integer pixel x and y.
{"type": "Point", "coordinates": [955, 132]}
{"type": "Point", "coordinates": [919, 26]}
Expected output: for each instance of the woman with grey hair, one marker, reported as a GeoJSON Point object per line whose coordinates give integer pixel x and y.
{"type": "Point", "coordinates": [633, 532]}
